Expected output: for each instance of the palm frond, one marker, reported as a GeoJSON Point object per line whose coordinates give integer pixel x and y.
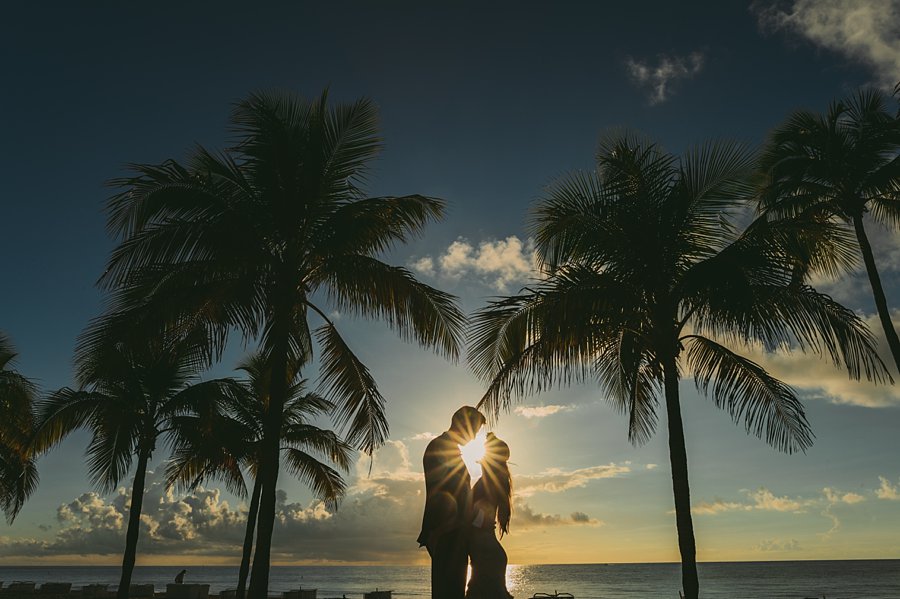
{"type": "Point", "coordinates": [769, 408]}
{"type": "Point", "coordinates": [360, 406]}
{"type": "Point", "coordinates": [325, 482]}
{"type": "Point", "coordinates": [368, 287]}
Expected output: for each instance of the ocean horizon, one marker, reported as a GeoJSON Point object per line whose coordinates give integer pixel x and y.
{"type": "Point", "coordinates": [834, 579]}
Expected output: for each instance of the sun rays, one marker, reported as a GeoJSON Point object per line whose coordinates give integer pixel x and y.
{"type": "Point", "coordinates": [472, 452]}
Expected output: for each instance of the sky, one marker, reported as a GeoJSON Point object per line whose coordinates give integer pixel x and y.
{"type": "Point", "coordinates": [482, 104]}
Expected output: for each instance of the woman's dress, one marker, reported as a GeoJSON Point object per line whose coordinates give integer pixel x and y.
{"type": "Point", "coordinates": [488, 557]}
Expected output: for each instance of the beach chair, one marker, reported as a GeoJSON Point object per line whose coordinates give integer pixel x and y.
{"type": "Point", "coordinates": [187, 591]}
{"type": "Point", "coordinates": [228, 594]}
{"type": "Point", "coordinates": [300, 594]}
{"type": "Point", "coordinates": [139, 591]}
{"type": "Point", "coordinates": [95, 591]}
{"type": "Point", "coordinates": [55, 588]}
{"type": "Point", "coordinates": [20, 588]}
{"type": "Point", "coordinates": [376, 594]}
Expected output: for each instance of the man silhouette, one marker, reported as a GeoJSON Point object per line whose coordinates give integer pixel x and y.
{"type": "Point", "coordinates": [448, 501]}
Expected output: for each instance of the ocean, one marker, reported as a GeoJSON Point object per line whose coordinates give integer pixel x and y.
{"type": "Point", "coordinates": [856, 579]}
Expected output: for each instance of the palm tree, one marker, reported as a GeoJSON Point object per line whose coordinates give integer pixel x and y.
{"type": "Point", "coordinates": [221, 441]}
{"type": "Point", "coordinates": [127, 398]}
{"type": "Point", "coordinates": [18, 473]}
{"type": "Point", "coordinates": [262, 238]}
{"type": "Point", "coordinates": [649, 278]}
{"type": "Point", "coordinates": [837, 167]}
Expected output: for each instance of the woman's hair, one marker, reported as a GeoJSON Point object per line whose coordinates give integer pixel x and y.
{"type": "Point", "coordinates": [496, 480]}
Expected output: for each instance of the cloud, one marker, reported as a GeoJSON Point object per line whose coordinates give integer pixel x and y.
{"type": "Point", "coordinates": [525, 518]}
{"type": "Point", "coordinates": [834, 496]}
{"type": "Point", "coordinates": [651, 466]}
{"type": "Point", "coordinates": [764, 499]}
{"type": "Point", "coordinates": [540, 411]}
{"type": "Point", "coordinates": [865, 31]}
{"type": "Point", "coordinates": [820, 378]}
{"type": "Point", "coordinates": [717, 506]}
{"type": "Point", "coordinates": [556, 480]}
{"type": "Point", "coordinates": [426, 436]}
{"type": "Point", "coordinates": [771, 545]}
{"type": "Point", "coordinates": [377, 522]}
{"type": "Point", "coordinates": [496, 263]}
{"type": "Point", "coordinates": [660, 77]}
{"type": "Point", "coordinates": [887, 490]}
{"type": "Point", "coordinates": [761, 499]}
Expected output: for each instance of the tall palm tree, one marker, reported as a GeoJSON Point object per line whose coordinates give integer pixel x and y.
{"type": "Point", "coordinates": [222, 441]}
{"type": "Point", "coordinates": [127, 397]}
{"type": "Point", "coordinates": [648, 279]}
{"type": "Point", "coordinates": [268, 236]}
{"type": "Point", "coordinates": [837, 167]}
{"type": "Point", "coordinates": [18, 473]}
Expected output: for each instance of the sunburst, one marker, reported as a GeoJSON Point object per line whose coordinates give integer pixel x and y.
{"type": "Point", "coordinates": [472, 452]}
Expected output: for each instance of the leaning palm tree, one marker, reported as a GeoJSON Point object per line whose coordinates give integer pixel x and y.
{"type": "Point", "coordinates": [127, 398]}
{"type": "Point", "coordinates": [837, 167]}
{"type": "Point", "coordinates": [223, 440]}
{"type": "Point", "coordinates": [267, 238]}
{"type": "Point", "coordinates": [650, 278]}
{"type": "Point", "coordinates": [18, 473]}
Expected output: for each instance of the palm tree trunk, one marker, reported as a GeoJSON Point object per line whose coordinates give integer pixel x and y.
{"type": "Point", "coordinates": [678, 459]}
{"type": "Point", "coordinates": [248, 539]}
{"type": "Point", "coordinates": [134, 524]}
{"type": "Point", "coordinates": [877, 290]}
{"type": "Point", "coordinates": [268, 467]}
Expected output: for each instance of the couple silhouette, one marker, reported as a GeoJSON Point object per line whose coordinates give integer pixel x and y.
{"type": "Point", "coordinates": [459, 520]}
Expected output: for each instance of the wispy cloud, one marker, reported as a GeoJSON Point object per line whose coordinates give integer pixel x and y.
{"type": "Point", "coordinates": [862, 30]}
{"type": "Point", "coordinates": [778, 545]}
{"type": "Point", "coordinates": [498, 263]}
{"type": "Point", "coordinates": [659, 78]}
{"type": "Point", "coordinates": [887, 490]}
{"type": "Point", "coordinates": [540, 411]}
{"type": "Point", "coordinates": [557, 480]}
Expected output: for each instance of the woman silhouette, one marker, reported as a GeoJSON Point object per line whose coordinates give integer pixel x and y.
{"type": "Point", "coordinates": [491, 504]}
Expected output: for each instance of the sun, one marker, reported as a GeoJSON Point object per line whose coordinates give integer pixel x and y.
{"type": "Point", "coordinates": [472, 452]}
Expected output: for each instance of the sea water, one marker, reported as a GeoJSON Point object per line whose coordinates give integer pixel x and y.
{"type": "Point", "coordinates": [856, 579]}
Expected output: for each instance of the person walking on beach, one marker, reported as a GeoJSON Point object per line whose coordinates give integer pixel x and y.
{"type": "Point", "coordinates": [448, 505]}
{"type": "Point", "coordinates": [179, 578]}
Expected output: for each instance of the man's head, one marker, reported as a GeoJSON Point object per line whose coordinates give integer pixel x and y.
{"type": "Point", "coordinates": [466, 423]}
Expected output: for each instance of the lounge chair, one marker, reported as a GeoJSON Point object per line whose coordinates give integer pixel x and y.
{"type": "Point", "coordinates": [300, 594]}
{"type": "Point", "coordinates": [95, 591]}
{"type": "Point", "coordinates": [187, 591]}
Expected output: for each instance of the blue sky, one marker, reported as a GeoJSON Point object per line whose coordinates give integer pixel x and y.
{"type": "Point", "coordinates": [482, 104]}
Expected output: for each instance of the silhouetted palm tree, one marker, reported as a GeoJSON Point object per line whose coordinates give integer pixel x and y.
{"type": "Point", "coordinates": [18, 473]}
{"type": "Point", "coordinates": [648, 277]}
{"type": "Point", "coordinates": [260, 237]}
{"type": "Point", "coordinates": [837, 167]}
{"type": "Point", "coordinates": [127, 397]}
{"type": "Point", "coordinates": [226, 438]}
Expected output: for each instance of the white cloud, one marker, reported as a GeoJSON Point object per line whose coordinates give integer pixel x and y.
{"type": "Point", "coordinates": [761, 499]}
{"type": "Point", "coordinates": [717, 506]}
{"type": "Point", "coordinates": [887, 490]}
{"type": "Point", "coordinates": [772, 545]}
{"type": "Point", "coordinates": [835, 496]}
{"type": "Point", "coordinates": [862, 30]}
{"type": "Point", "coordinates": [651, 466]}
{"type": "Point", "coordinates": [820, 378]}
{"type": "Point", "coordinates": [659, 78]}
{"type": "Point", "coordinates": [556, 480]}
{"type": "Point", "coordinates": [496, 263]}
{"type": "Point", "coordinates": [764, 499]}
{"type": "Point", "coordinates": [540, 411]}
{"type": "Point", "coordinates": [426, 436]}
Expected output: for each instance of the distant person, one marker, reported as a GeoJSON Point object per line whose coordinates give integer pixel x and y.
{"type": "Point", "coordinates": [179, 578]}
{"type": "Point", "coordinates": [448, 505]}
{"type": "Point", "coordinates": [491, 507]}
